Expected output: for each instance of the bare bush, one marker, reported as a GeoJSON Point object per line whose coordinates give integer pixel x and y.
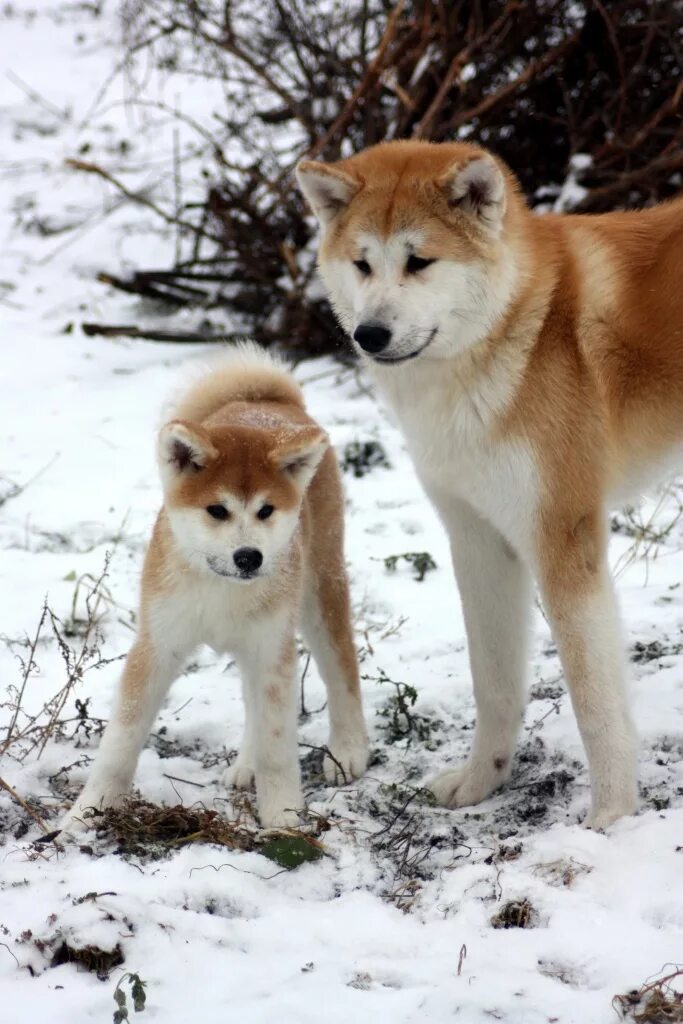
{"type": "Point", "coordinates": [540, 83]}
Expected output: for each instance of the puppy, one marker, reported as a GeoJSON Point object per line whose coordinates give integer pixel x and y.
{"type": "Point", "coordinates": [247, 546]}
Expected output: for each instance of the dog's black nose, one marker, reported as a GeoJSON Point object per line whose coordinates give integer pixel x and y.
{"type": "Point", "coordinates": [372, 337]}
{"type": "Point", "coordinates": [247, 559]}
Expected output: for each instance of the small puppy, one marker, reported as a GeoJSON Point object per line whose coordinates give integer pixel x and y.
{"type": "Point", "coordinates": [247, 546]}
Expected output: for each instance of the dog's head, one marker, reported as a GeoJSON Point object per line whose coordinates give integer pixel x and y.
{"type": "Point", "coordinates": [416, 245]}
{"type": "Point", "coordinates": [233, 494]}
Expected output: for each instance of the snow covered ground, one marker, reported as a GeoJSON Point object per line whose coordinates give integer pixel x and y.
{"type": "Point", "coordinates": [395, 924]}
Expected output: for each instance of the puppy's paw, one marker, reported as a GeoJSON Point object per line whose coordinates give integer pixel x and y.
{"type": "Point", "coordinates": [240, 774]}
{"type": "Point", "coordinates": [73, 826]}
{"type": "Point", "coordinates": [279, 807]}
{"type": "Point", "coordinates": [462, 787]}
{"type": "Point", "coordinates": [347, 759]}
{"type": "Point", "coordinates": [283, 818]}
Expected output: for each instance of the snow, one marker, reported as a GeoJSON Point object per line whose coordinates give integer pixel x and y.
{"type": "Point", "coordinates": [374, 931]}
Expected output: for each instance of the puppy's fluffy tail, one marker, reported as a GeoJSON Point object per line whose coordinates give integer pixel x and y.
{"type": "Point", "coordinates": [245, 373]}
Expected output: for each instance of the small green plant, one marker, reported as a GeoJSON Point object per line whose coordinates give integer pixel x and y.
{"type": "Point", "coordinates": [363, 456]}
{"type": "Point", "coordinates": [421, 561]}
{"type": "Point", "coordinates": [138, 995]}
{"type": "Point", "coordinates": [401, 721]}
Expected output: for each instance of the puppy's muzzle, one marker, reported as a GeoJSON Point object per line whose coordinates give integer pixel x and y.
{"type": "Point", "coordinates": [248, 560]}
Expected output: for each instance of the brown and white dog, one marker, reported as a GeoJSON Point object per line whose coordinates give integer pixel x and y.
{"type": "Point", "coordinates": [248, 544]}
{"type": "Point", "coordinates": [535, 364]}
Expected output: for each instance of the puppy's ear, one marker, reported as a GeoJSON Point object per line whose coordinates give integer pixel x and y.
{"type": "Point", "coordinates": [477, 187]}
{"type": "Point", "coordinates": [299, 454]}
{"type": "Point", "coordinates": [327, 189]}
{"type": "Point", "coordinates": [183, 449]}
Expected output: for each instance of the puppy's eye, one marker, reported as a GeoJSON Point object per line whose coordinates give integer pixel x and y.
{"type": "Point", "coordinates": [265, 512]}
{"type": "Point", "coordinates": [416, 263]}
{"type": "Point", "coordinates": [218, 511]}
{"type": "Point", "coordinates": [363, 266]}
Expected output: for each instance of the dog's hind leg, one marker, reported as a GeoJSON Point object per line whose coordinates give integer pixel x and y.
{"type": "Point", "coordinates": [580, 602]}
{"type": "Point", "coordinates": [150, 669]}
{"type": "Point", "coordinates": [327, 629]}
{"type": "Point", "coordinates": [495, 591]}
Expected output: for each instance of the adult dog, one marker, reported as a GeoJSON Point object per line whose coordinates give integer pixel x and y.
{"type": "Point", "coordinates": [535, 364]}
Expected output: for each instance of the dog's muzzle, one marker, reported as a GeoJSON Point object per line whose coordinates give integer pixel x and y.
{"type": "Point", "coordinates": [389, 360]}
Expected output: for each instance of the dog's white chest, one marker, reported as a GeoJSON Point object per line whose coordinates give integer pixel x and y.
{"type": "Point", "coordinates": [449, 441]}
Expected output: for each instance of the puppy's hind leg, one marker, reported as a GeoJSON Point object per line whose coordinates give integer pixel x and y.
{"type": "Point", "coordinates": [148, 673]}
{"type": "Point", "coordinates": [327, 629]}
{"type": "Point", "coordinates": [240, 773]}
{"type": "Point", "coordinates": [268, 662]}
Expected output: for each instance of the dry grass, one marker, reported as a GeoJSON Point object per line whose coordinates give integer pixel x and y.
{"type": "Point", "coordinates": [655, 1002]}
{"type": "Point", "coordinates": [515, 914]}
{"type": "Point", "coordinates": [148, 831]}
{"type": "Point", "coordinates": [79, 642]}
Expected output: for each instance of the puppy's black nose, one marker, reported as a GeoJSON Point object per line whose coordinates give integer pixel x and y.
{"type": "Point", "coordinates": [372, 337]}
{"type": "Point", "coordinates": [247, 559]}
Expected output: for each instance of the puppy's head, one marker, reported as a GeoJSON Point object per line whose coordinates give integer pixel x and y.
{"type": "Point", "coordinates": [233, 494]}
{"type": "Point", "coordinates": [415, 246]}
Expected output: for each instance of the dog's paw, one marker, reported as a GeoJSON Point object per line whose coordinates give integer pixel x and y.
{"type": "Point", "coordinates": [462, 787]}
{"type": "Point", "coordinates": [240, 774]}
{"type": "Point", "coordinates": [601, 818]}
{"type": "Point", "coordinates": [347, 759]}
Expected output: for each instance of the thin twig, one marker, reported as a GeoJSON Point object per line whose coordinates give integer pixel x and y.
{"type": "Point", "coordinates": [22, 803]}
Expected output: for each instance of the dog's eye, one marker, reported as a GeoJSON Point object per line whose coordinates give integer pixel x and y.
{"type": "Point", "coordinates": [265, 512]}
{"type": "Point", "coordinates": [416, 263]}
{"type": "Point", "coordinates": [363, 266]}
{"type": "Point", "coordinates": [218, 512]}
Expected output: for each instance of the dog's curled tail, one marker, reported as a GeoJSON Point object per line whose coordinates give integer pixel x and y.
{"type": "Point", "coordinates": [244, 373]}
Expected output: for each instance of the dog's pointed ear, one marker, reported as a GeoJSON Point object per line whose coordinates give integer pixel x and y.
{"type": "Point", "coordinates": [477, 187]}
{"type": "Point", "coordinates": [183, 448]}
{"type": "Point", "coordinates": [327, 189]}
{"type": "Point", "coordinates": [300, 452]}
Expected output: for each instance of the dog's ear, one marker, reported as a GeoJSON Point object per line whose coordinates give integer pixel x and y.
{"type": "Point", "coordinates": [326, 188]}
{"type": "Point", "coordinates": [300, 452]}
{"type": "Point", "coordinates": [477, 187]}
{"type": "Point", "coordinates": [183, 448]}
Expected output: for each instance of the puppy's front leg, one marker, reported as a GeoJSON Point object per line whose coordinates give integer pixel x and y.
{"type": "Point", "coordinates": [579, 599]}
{"type": "Point", "coordinates": [148, 673]}
{"type": "Point", "coordinates": [268, 665]}
{"type": "Point", "coordinates": [495, 591]}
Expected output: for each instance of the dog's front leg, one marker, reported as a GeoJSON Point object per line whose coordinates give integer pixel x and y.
{"type": "Point", "coordinates": [579, 598]}
{"type": "Point", "coordinates": [150, 669]}
{"type": "Point", "coordinates": [495, 591]}
{"type": "Point", "coordinates": [268, 665]}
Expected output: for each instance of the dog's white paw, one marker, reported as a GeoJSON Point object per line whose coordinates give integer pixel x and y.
{"type": "Point", "coordinates": [240, 774]}
{"type": "Point", "coordinates": [347, 760]}
{"type": "Point", "coordinates": [462, 787]}
{"type": "Point", "coordinates": [602, 817]}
